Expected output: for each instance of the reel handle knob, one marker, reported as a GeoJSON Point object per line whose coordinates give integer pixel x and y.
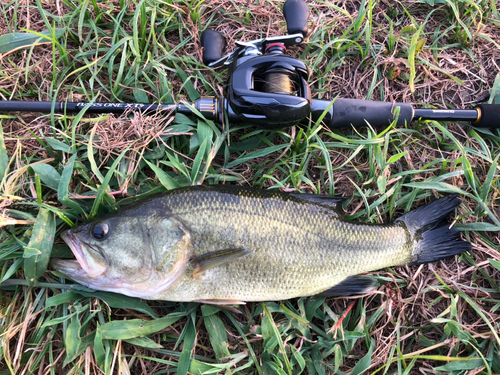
{"type": "Point", "coordinates": [296, 13]}
{"type": "Point", "coordinates": [213, 44]}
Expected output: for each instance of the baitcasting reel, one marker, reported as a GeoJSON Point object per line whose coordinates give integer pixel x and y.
{"type": "Point", "coordinates": [267, 88]}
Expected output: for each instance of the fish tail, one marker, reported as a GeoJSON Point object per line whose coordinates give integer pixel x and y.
{"type": "Point", "coordinates": [433, 237]}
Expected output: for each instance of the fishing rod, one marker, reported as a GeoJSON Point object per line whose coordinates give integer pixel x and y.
{"type": "Point", "coordinates": [268, 88]}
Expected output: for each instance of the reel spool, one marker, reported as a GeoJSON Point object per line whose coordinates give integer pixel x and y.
{"type": "Point", "coordinates": [276, 80]}
{"type": "Point", "coordinates": [278, 83]}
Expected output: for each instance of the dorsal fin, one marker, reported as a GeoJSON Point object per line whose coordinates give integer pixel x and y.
{"type": "Point", "coordinates": [324, 200]}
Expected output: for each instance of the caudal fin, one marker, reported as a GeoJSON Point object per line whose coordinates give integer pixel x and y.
{"type": "Point", "coordinates": [431, 232]}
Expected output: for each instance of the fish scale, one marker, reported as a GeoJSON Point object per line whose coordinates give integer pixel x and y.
{"type": "Point", "coordinates": [224, 244]}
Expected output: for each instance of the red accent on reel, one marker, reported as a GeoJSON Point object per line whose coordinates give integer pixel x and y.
{"type": "Point", "coordinates": [275, 45]}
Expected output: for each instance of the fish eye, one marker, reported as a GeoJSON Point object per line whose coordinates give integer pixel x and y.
{"type": "Point", "coordinates": [99, 231]}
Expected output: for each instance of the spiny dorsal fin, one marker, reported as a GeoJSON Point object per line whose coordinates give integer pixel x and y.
{"type": "Point", "coordinates": [216, 258]}
{"type": "Point", "coordinates": [351, 285]}
{"type": "Point", "coordinates": [324, 200]}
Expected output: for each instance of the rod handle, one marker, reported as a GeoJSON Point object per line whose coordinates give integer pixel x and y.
{"type": "Point", "coordinates": [345, 113]}
{"type": "Point", "coordinates": [296, 13]}
{"type": "Point", "coordinates": [489, 116]}
{"type": "Point", "coordinates": [213, 44]}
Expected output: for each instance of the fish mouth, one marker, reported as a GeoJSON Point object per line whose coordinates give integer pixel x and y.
{"type": "Point", "coordinates": [78, 249]}
{"type": "Point", "coordinates": [69, 267]}
{"type": "Point", "coordinates": [78, 269]}
{"type": "Point", "coordinates": [72, 269]}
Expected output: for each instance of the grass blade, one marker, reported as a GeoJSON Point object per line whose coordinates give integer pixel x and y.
{"type": "Point", "coordinates": [187, 349]}
{"type": "Point", "coordinates": [4, 159]}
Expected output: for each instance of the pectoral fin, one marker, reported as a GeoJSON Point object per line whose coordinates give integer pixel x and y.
{"type": "Point", "coordinates": [216, 258]}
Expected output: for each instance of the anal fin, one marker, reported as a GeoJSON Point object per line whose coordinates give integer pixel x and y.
{"type": "Point", "coordinates": [350, 286]}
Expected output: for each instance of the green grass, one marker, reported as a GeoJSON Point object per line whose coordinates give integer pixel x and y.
{"type": "Point", "coordinates": [439, 317]}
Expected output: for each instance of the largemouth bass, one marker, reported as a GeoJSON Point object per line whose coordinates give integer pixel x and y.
{"type": "Point", "coordinates": [227, 244]}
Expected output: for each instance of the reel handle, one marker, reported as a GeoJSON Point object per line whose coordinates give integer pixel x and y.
{"type": "Point", "coordinates": [213, 44]}
{"type": "Point", "coordinates": [296, 13]}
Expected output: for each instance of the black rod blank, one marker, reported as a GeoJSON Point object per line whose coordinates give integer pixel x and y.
{"type": "Point", "coordinates": [69, 107]}
{"type": "Point", "coordinates": [447, 114]}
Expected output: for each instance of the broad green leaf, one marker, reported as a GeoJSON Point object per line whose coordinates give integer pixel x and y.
{"type": "Point", "coordinates": [187, 348]}
{"type": "Point", "coordinates": [99, 351]}
{"type": "Point", "coordinates": [317, 361]}
{"type": "Point", "coordinates": [168, 182]}
{"type": "Point", "coordinates": [48, 175]}
{"type": "Point", "coordinates": [256, 154]}
{"type": "Point", "coordinates": [455, 330]}
{"type": "Point", "coordinates": [12, 269]}
{"type": "Point", "coordinates": [59, 320]}
{"type": "Point", "coordinates": [102, 190]}
{"type": "Point", "coordinates": [144, 342]}
{"type": "Point", "coordinates": [128, 329]}
{"type": "Point", "coordinates": [217, 334]}
{"type": "Point", "coordinates": [472, 364]}
{"type": "Point", "coordinates": [197, 161]}
{"type": "Point", "coordinates": [182, 119]}
{"type": "Point", "coordinates": [492, 173]}
{"type": "Point", "coordinates": [119, 301]}
{"type": "Point", "coordinates": [139, 95]}
{"type": "Point", "coordinates": [72, 339]}
{"type": "Point", "coordinates": [439, 186]}
{"type": "Point", "coordinates": [339, 358]}
{"type": "Point", "coordinates": [192, 92]}
{"type": "Point", "coordinates": [364, 362]}
{"type": "Point", "coordinates": [13, 41]}
{"type": "Point", "coordinates": [396, 157]}
{"type": "Point", "coordinates": [57, 144]}
{"type": "Point", "coordinates": [478, 227]}
{"type": "Point", "coordinates": [60, 299]}
{"type": "Point", "coordinates": [495, 90]}
{"type": "Point", "coordinates": [298, 357]}
{"type": "Point", "coordinates": [495, 263]}
{"type": "Point", "coordinates": [312, 305]}
{"type": "Point", "coordinates": [63, 188]}
{"type": "Point", "coordinates": [37, 253]}
{"type": "Point", "coordinates": [30, 252]}
{"type": "Point", "coordinates": [205, 132]}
